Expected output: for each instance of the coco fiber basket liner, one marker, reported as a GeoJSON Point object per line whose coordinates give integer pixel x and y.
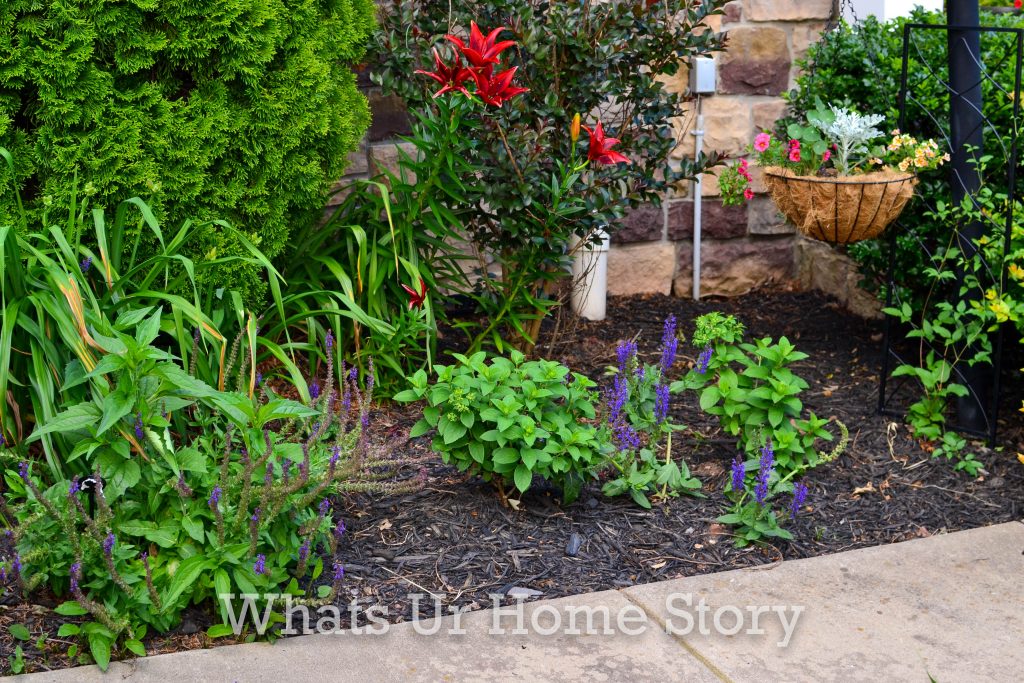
{"type": "Point", "coordinates": [843, 209]}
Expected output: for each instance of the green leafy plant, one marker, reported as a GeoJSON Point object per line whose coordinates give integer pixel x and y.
{"type": "Point", "coordinates": [964, 306]}
{"type": "Point", "coordinates": [349, 276]}
{"type": "Point", "coordinates": [246, 115]}
{"type": "Point", "coordinates": [212, 493]}
{"type": "Point", "coordinates": [754, 393]}
{"type": "Point", "coordinates": [509, 420]}
{"type": "Point", "coordinates": [73, 269]}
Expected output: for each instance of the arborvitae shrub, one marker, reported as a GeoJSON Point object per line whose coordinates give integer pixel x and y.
{"type": "Point", "coordinates": [243, 110]}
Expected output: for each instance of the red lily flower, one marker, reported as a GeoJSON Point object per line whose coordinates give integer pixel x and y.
{"type": "Point", "coordinates": [416, 299]}
{"type": "Point", "coordinates": [600, 150]}
{"type": "Point", "coordinates": [451, 77]}
{"type": "Point", "coordinates": [481, 51]}
{"type": "Point", "coordinates": [496, 89]}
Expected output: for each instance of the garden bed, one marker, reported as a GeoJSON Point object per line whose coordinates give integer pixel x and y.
{"type": "Point", "coordinates": [455, 540]}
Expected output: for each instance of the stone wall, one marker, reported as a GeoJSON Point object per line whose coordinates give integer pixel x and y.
{"type": "Point", "coordinates": [741, 247]}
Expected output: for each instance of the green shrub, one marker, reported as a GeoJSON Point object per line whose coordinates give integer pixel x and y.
{"type": "Point", "coordinates": [509, 420]}
{"type": "Point", "coordinates": [230, 109]}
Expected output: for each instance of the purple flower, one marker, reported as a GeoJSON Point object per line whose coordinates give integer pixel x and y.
{"type": "Point", "coordinates": [260, 566]}
{"type": "Point", "coordinates": [661, 402]}
{"type": "Point", "coordinates": [626, 437]}
{"type": "Point", "coordinates": [85, 265]}
{"type": "Point", "coordinates": [329, 341]}
{"type": "Point", "coordinates": [339, 529]}
{"type": "Point", "coordinates": [139, 434]}
{"type": "Point", "coordinates": [76, 574]}
{"type": "Point", "coordinates": [183, 488]}
{"type": "Point", "coordinates": [369, 380]}
{"type": "Point", "coordinates": [3, 442]}
{"type": "Point", "coordinates": [73, 488]}
{"type": "Point", "coordinates": [324, 507]}
{"type": "Point", "coordinates": [761, 492]}
{"type": "Point", "coordinates": [256, 516]}
{"type": "Point", "coordinates": [339, 571]}
{"type": "Point", "coordinates": [259, 379]}
{"type": "Point", "coordinates": [23, 470]}
{"type": "Point", "coordinates": [739, 474]}
{"type": "Point", "coordinates": [214, 497]}
{"type": "Point", "coordinates": [703, 359]}
{"type": "Point", "coordinates": [764, 473]}
{"type": "Point", "coordinates": [3, 575]}
{"type": "Point", "coordinates": [767, 459]}
{"type": "Point", "coordinates": [314, 390]}
{"type": "Point", "coordinates": [669, 344]}
{"type": "Point", "coordinates": [335, 456]}
{"type": "Point", "coordinates": [16, 564]}
{"type": "Point", "coordinates": [625, 352]}
{"type": "Point", "coordinates": [108, 544]}
{"type": "Point", "coordinates": [617, 398]}
{"type": "Point", "coordinates": [799, 496]}
{"type": "Point", "coordinates": [304, 551]}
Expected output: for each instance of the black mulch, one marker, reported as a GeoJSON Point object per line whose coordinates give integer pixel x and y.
{"type": "Point", "coordinates": [456, 541]}
{"type": "Point", "coordinates": [453, 539]}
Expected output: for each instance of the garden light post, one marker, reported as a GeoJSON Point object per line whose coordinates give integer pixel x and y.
{"type": "Point", "coordinates": [966, 138]}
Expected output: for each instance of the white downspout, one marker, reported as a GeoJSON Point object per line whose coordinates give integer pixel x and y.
{"type": "Point", "coordinates": [698, 190]}
{"type": "Point", "coordinates": [590, 278]}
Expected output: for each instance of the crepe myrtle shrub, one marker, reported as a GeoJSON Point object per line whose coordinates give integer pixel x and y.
{"type": "Point", "coordinates": [233, 110]}
{"type": "Point", "coordinates": [604, 61]}
{"type": "Point", "coordinates": [637, 421]}
{"type": "Point", "coordinates": [508, 419]}
{"type": "Point", "coordinates": [754, 394]}
{"type": "Point", "coordinates": [189, 493]}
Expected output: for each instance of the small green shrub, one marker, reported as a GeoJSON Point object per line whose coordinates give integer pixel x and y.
{"type": "Point", "coordinates": [232, 109]}
{"type": "Point", "coordinates": [510, 419]}
{"type": "Point", "coordinates": [754, 394]}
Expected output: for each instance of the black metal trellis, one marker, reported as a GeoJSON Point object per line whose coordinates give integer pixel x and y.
{"type": "Point", "coordinates": [980, 416]}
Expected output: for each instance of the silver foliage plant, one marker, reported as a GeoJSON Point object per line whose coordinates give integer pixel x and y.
{"type": "Point", "coordinates": [851, 132]}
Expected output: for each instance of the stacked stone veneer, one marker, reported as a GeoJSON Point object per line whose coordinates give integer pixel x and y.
{"type": "Point", "coordinates": [745, 246]}
{"type": "Point", "coordinates": [741, 247]}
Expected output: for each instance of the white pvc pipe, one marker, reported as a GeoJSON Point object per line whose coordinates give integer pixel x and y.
{"type": "Point", "coordinates": [697, 194]}
{"type": "Point", "coordinates": [590, 278]}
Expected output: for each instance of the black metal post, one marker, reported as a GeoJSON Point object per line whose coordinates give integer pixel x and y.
{"type": "Point", "coordinates": [966, 137]}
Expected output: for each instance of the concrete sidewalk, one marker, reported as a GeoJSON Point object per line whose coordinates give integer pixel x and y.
{"type": "Point", "coordinates": [950, 607]}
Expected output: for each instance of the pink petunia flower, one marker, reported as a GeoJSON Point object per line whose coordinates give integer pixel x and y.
{"type": "Point", "coordinates": [762, 141]}
{"type": "Point", "coordinates": [794, 154]}
{"type": "Point", "coordinates": [826, 156]}
{"type": "Point", "coordinates": [748, 194]}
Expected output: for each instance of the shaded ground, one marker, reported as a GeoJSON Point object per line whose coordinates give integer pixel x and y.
{"type": "Point", "coordinates": [455, 541]}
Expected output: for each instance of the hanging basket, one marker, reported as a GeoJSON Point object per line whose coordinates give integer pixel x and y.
{"type": "Point", "coordinates": [843, 209]}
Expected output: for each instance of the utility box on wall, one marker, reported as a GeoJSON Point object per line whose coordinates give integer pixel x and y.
{"type": "Point", "coordinates": [885, 10]}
